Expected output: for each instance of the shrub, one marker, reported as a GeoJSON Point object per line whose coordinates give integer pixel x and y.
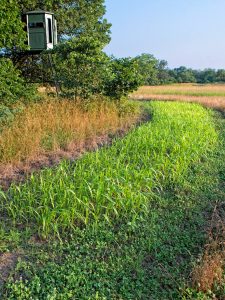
{"type": "Point", "coordinates": [12, 86]}
{"type": "Point", "coordinates": [124, 79]}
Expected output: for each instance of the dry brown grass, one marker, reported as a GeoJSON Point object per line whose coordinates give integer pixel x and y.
{"type": "Point", "coordinates": [52, 126]}
{"type": "Point", "coordinates": [185, 89]}
{"type": "Point", "coordinates": [212, 96]}
{"type": "Point", "coordinates": [210, 270]}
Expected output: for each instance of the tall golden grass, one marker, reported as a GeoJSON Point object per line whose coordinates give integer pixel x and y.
{"type": "Point", "coordinates": [209, 95]}
{"type": "Point", "coordinates": [52, 126]}
{"type": "Point", "coordinates": [185, 89]}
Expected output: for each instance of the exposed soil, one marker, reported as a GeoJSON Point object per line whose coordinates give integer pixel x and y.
{"type": "Point", "coordinates": [18, 173]}
{"type": "Point", "coordinates": [7, 263]}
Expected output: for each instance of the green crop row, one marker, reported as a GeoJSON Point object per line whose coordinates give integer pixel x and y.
{"type": "Point", "coordinates": [116, 183]}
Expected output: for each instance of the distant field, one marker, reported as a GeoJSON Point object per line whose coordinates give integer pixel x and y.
{"type": "Point", "coordinates": [211, 95]}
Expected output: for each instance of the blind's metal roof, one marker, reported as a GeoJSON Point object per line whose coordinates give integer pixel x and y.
{"type": "Point", "coordinates": [38, 12]}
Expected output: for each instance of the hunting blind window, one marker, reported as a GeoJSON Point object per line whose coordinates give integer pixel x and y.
{"type": "Point", "coordinates": [49, 30]}
{"type": "Point", "coordinates": [36, 25]}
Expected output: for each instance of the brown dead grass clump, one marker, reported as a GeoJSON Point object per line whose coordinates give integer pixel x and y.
{"type": "Point", "coordinates": [210, 270]}
{"type": "Point", "coordinates": [54, 125]}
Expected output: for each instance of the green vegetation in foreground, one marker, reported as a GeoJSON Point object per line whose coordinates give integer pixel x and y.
{"type": "Point", "coordinates": [145, 197]}
{"type": "Point", "coordinates": [115, 183]}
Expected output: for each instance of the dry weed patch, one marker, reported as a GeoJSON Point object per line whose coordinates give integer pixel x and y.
{"type": "Point", "coordinates": [56, 125]}
{"type": "Point", "coordinates": [48, 131]}
{"type": "Point", "coordinates": [210, 270]}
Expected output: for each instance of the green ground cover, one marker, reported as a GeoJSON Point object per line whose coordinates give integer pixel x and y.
{"type": "Point", "coordinates": [125, 222]}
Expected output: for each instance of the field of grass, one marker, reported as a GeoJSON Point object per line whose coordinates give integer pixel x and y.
{"type": "Point", "coordinates": [208, 95]}
{"type": "Point", "coordinates": [126, 222]}
{"type": "Point", "coordinates": [186, 89]}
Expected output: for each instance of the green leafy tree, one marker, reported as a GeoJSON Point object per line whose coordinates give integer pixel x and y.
{"type": "Point", "coordinates": [147, 68]}
{"type": "Point", "coordinates": [124, 78]}
{"type": "Point", "coordinates": [184, 75]}
{"type": "Point", "coordinates": [12, 89]}
{"type": "Point", "coordinates": [76, 18]}
{"type": "Point", "coordinates": [11, 84]}
{"type": "Point", "coordinates": [163, 73]}
{"type": "Point", "coordinates": [81, 67]}
{"type": "Point", "coordinates": [83, 32]}
{"type": "Point", "coordinates": [209, 75]}
{"type": "Point", "coordinates": [11, 27]}
{"type": "Point", "coordinates": [220, 75]}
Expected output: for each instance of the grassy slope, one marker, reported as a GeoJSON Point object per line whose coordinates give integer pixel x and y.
{"type": "Point", "coordinates": [146, 257]}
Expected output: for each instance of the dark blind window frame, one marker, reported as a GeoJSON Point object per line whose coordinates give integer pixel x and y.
{"type": "Point", "coordinates": [49, 30]}
{"type": "Point", "coordinates": [36, 25]}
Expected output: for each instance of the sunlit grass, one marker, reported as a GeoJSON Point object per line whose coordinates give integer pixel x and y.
{"type": "Point", "coordinates": [118, 182]}
{"type": "Point", "coordinates": [212, 96]}
{"type": "Point", "coordinates": [185, 89]}
{"type": "Point", "coordinates": [52, 125]}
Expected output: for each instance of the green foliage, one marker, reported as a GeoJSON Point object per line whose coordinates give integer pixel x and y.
{"type": "Point", "coordinates": [163, 74]}
{"type": "Point", "coordinates": [84, 70]}
{"type": "Point", "coordinates": [183, 75]}
{"type": "Point", "coordinates": [81, 67]}
{"type": "Point", "coordinates": [76, 18]}
{"type": "Point", "coordinates": [147, 258]}
{"type": "Point", "coordinates": [152, 70]}
{"type": "Point", "coordinates": [6, 115]}
{"type": "Point", "coordinates": [206, 76]}
{"type": "Point", "coordinates": [13, 90]}
{"type": "Point", "coordinates": [80, 62]}
{"type": "Point", "coordinates": [11, 27]}
{"type": "Point", "coordinates": [156, 72]}
{"type": "Point", "coordinates": [124, 78]}
{"type": "Point", "coordinates": [147, 68]}
{"type": "Point", "coordinates": [128, 172]}
{"type": "Point", "coordinates": [220, 76]}
{"type": "Point", "coordinates": [12, 86]}
{"type": "Point", "coordinates": [192, 294]}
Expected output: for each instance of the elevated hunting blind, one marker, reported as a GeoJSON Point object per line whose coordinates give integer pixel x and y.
{"type": "Point", "coordinates": [41, 28]}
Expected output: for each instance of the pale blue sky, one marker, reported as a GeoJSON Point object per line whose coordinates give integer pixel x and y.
{"type": "Point", "coordinates": [184, 32]}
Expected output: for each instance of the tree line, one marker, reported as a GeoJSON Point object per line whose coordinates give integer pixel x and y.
{"type": "Point", "coordinates": [156, 72]}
